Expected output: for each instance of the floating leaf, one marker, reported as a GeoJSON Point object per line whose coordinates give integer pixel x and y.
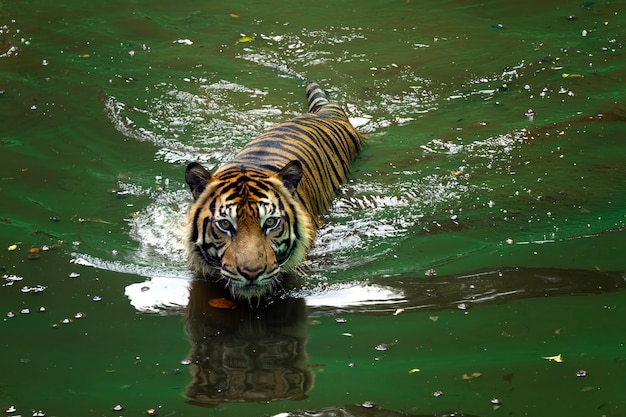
{"type": "Point", "coordinates": [556, 358]}
{"type": "Point", "coordinates": [12, 247]}
{"type": "Point", "coordinates": [234, 16]}
{"type": "Point", "coordinates": [471, 376]}
{"type": "Point", "coordinates": [414, 370]}
{"type": "Point", "coordinates": [222, 303]}
{"type": "Point", "coordinates": [398, 311]}
{"type": "Point", "coordinates": [245, 39]}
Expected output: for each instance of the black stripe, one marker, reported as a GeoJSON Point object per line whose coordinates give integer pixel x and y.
{"type": "Point", "coordinates": [194, 225]}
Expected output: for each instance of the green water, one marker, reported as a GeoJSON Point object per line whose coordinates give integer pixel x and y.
{"type": "Point", "coordinates": [459, 199]}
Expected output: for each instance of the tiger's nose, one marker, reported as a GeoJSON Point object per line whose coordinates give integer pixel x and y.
{"type": "Point", "coordinates": [250, 274]}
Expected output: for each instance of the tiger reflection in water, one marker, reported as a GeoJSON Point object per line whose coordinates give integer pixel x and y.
{"type": "Point", "coordinates": [245, 354]}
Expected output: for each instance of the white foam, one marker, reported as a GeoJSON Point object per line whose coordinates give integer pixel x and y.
{"type": "Point", "coordinates": [356, 295]}
{"type": "Point", "coordinates": [159, 295]}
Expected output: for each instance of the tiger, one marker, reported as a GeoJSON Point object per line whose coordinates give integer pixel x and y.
{"type": "Point", "coordinates": [257, 215]}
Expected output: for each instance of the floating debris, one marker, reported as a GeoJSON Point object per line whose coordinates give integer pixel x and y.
{"type": "Point", "coordinates": [66, 321]}
{"type": "Point", "coordinates": [382, 347]}
{"type": "Point", "coordinates": [471, 376]}
{"type": "Point", "coordinates": [79, 315]}
{"type": "Point", "coordinates": [39, 414]}
{"type": "Point", "coordinates": [430, 273]}
{"type": "Point", "coordinates": [341, 320]}
{"type": "Point", "coordinates": [35, 289]}
{"type": "Point", "coordinates": [10, 279]}
{"type": "Point", "coordinates": [151, 412]}
{"type": "Point", "coordinates": [437, 393]}
{"type": "Point", "coordinates": [496, 403]}
{"type": "Point", "coordinates": [74, 275]}
{"type": "Point", "coordinates": [222, 303]}
{"type": "Point", "coordinates": [118, 407]}
{"type": "Point", "coordinates": [10, 409]}
{"type": "Point", "coordinates": [25, 311]}
{"type": "Point", "coordinates": [462, 306]}
{"type": "Point", "coordinates": [11, 314]}
{"type": "Point", "coordinates": [398, 311]}
{"type": "Point", "coordinates": [368, 404]}
{"type": "Point", "coordinates": [581, 374]}
{"type": "Point", "coordinates": [96, 298]}
{"type": "Point", "coordinates": [33, 254]}
{"type": "Point", "coordinates": [530, 113]}
{"type": "Point", "coordinates": [42, 309]}
{"type": "Point", "coordinates": [556, 358]}
{"type": "Point", "coordinates": [185, 362]}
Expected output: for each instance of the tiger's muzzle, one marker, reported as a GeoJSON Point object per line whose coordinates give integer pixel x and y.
{"type": "Point", "coordinates": [249, 265]}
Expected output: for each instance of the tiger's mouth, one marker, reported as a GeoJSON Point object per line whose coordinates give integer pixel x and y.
{"type": "Point", "coordinates": [246, 289]}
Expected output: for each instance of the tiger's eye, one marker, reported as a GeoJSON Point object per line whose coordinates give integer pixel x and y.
{"type": "Point", "coordinates": [224, 225]}
{"type": "Point", "coordinates": [271, 222]}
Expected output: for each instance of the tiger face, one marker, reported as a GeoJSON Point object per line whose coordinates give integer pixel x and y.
{"type": "Point", "coordinates": [245, 225]}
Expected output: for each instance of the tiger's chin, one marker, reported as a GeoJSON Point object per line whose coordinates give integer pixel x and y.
{"type": "Point", "coordinates": [250, 290]}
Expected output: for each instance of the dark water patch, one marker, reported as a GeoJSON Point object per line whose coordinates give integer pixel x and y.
{"type": "Point", "coordinates": [463, 291]}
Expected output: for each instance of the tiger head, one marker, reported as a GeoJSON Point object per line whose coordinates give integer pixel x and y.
{"type": "Point", "coordinates": [245, 225]}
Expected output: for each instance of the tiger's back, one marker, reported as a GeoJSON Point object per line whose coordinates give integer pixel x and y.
{"type": "Point", "coordinates": [324, 142]}
{"type": "Point", "coordinates": [259, 212]}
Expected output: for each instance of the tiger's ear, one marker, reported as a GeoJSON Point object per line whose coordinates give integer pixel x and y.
{"type": "Point", "coordinates": [197, 178]}
{"type": "Point", "coordinates": [290, 175]}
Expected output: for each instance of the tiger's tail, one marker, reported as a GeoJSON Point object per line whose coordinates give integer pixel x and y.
{"type": "Point", "coordinates": [316, 96]}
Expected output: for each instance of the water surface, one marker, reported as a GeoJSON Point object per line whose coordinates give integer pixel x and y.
{"type": "Point", "coordinates": [482, 230]}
